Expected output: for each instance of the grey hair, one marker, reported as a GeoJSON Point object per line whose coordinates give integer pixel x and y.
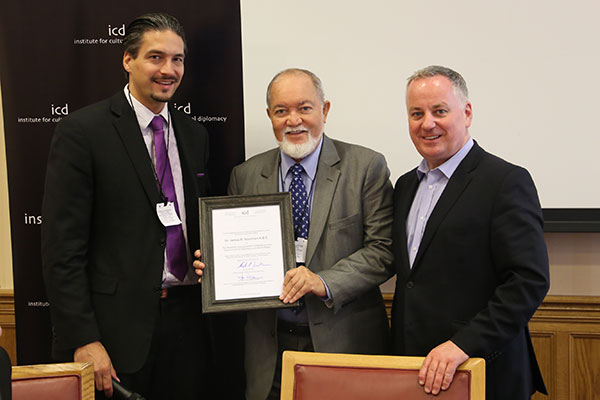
{"type": "Point", "coordinates": [315, 81]}
{"type": "Point", "coordinates": [458, 82]}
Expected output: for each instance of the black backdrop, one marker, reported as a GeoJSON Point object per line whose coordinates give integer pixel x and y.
{"type": "Point", "coordinates": [56, 57]}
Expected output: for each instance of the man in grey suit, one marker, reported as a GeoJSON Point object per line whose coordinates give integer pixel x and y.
{"type": "Point", "coordinates": [346, 254]}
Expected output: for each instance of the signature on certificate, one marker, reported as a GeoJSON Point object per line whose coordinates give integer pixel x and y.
{"type": "Point", "coordinates": [251, 270]}
{"type": "Point", "coordinates": [252, 264]}
{"type": "Point", "coordinates": [248, 277]}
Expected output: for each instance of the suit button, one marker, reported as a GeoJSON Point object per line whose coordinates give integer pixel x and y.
{"type": "Point", "coordinates": [410, 284]}
{"type": "Point", "coordinates": [163, 243]}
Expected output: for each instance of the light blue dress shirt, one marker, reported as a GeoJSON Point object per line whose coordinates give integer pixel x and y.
{"type": "Point", "coordinates": [431, 186]}
{"type": "Point", "coordinates": [309, 163]}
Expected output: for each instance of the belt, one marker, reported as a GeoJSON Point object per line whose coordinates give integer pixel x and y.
{"type": "Point", "coordinates": [174, 292]}
{"type": "Point", "coordinates": [292, 328]}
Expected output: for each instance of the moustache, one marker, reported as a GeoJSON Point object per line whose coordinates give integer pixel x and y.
{"type": "Point", "coordinates": [298, 128]}
{"type": "Point", "coordinates": [166, 78]}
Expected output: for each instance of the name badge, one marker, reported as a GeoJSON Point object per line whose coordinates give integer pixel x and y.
{"type": "Point", "coordinates": [167, 214]}
{"type": "Point", "coordinates": [301, 244]}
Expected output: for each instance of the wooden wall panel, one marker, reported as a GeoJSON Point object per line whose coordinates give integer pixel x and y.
{"type": "Point", "coordinates": [584, 373]}
{"type": "Point", "coordinates": [8, 340]}
{"type": "Point", "coordinates": [572, 369]}
{"type": "Point", "coordinates": [545, 345]}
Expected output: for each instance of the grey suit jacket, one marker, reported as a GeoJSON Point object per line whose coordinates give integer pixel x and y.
{"type": "Point", "coordinates": [348, 246]}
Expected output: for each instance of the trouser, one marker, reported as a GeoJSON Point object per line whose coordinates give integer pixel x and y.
{"type": "Point", "coordinates": [178, 362]}
{"type": "Point", "coordinates": [289, 337]}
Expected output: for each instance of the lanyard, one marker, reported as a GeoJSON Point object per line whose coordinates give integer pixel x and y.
{"type": "Point", "coordinates": [153, 153]}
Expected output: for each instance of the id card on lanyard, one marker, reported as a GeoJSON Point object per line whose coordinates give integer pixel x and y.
{"type": "Point", "coordinates": [167, 214]}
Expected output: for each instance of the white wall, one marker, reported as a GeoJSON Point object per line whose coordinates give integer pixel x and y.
{"type": "Point", "coordinates": [530, 67]}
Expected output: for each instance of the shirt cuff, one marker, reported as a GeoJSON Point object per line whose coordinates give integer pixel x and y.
{"type": "Point", "coordinates": [328, 300]}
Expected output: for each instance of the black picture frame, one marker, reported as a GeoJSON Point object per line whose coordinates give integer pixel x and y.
{"type": "Point", "coordinates": [209, 204]}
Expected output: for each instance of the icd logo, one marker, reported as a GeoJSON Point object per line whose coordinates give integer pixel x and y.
{"type": "Point", "coordinates": [116, 30]}
{"type": "Point", "coordinates": [60, 110]}
{"type": "Point", "coordinates": [186, 108]}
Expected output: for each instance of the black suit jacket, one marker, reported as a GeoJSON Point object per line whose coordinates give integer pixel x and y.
{"type": "Point", "coordinates": [480, 272]}
{"type": "Point", "coordinates": [5, 376]}
{"type": "Point", "coordinates": [102, 242]}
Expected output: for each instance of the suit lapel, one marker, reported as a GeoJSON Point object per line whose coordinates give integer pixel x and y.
{"type": "Point", "coordinates": [128, 129]}
{"type": "Point", "coordinates": [456, 185]}
{"type": "Point", "coordinates": [269, 182]}
{"type": "Point", "coordinates": [326, 182]}
{"type": "Point", "coordinates": [185, 149]}
{"type": "Point", "coordinates": [184, 146]}
{"type": "Point", "coordinates": [403, 208]}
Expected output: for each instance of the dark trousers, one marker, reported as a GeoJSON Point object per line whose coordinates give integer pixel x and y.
{"type": "Point", "coordinates": [286, 340]}
{"type": "Point", "coordinates": [178, 362]}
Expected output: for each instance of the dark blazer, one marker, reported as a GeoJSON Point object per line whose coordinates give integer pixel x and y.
{"type": "Point", "coordinates": [5, 376]}
{"type": "Point", "coordinates": [102, 242]}
{"type": "Point", "coordinates": [480, 272]}
{"type": "Point", "coordinates": [348, 246]}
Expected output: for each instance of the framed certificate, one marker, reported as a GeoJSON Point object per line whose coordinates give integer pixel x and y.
{"type": "Point", "coordinates": [247, 245]}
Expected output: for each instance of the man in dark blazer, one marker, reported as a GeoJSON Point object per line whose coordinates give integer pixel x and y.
{"type": "Point", "coordinates": [5, 374]}
{"type": "Point", "coordinates": [347, 251]}
{"type": "Point", "coordinates": [469, 249]}
{"type": "Point", "coordinates": [116, 298]}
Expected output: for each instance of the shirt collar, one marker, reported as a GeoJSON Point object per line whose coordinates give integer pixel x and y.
{"type": "Point", "coordinates": [143, 114]}
{"type": "Point", "coordinates": [309, 163]}
{"type": "Point", "coordinates": [450, 165]}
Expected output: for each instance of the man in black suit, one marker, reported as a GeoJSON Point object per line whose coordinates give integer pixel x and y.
{"type": "Point", "coordinates": [5, 374]}
{"type": "Point", "coordinates": [470, 256]}
{"type": "Point", "coordinates": [120, 216]}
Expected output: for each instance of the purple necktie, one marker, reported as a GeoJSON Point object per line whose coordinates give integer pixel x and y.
{"type": "Point", "coordinates": [176, 254]}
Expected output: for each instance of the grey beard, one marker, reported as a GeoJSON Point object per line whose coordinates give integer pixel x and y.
{"type": "Point", "coordinates": [299, 151]}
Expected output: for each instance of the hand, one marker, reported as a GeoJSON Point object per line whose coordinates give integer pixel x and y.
{"type": "Point", "coordinates": [96, 354]}
{"type": "Point", "coordinates": [439, 367]}
{"type": "Point", "coordinates": [198, 265]}
{"type": "Point", "coordinates": [300, 281]}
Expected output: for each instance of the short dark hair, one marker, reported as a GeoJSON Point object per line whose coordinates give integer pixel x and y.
{"type": "Point", "coordinates": [150, 22]}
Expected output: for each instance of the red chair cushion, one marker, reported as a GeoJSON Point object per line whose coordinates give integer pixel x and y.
{"type": "Point", "coordinates": [67, 387]}
{"type": "Point", "coordinates": [358, 383]}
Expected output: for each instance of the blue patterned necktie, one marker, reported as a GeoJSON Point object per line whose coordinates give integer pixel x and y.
{"type": "Point", "coordinates": [299, 202]}
{"type": "Point", "coordinates": [300, 212]}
